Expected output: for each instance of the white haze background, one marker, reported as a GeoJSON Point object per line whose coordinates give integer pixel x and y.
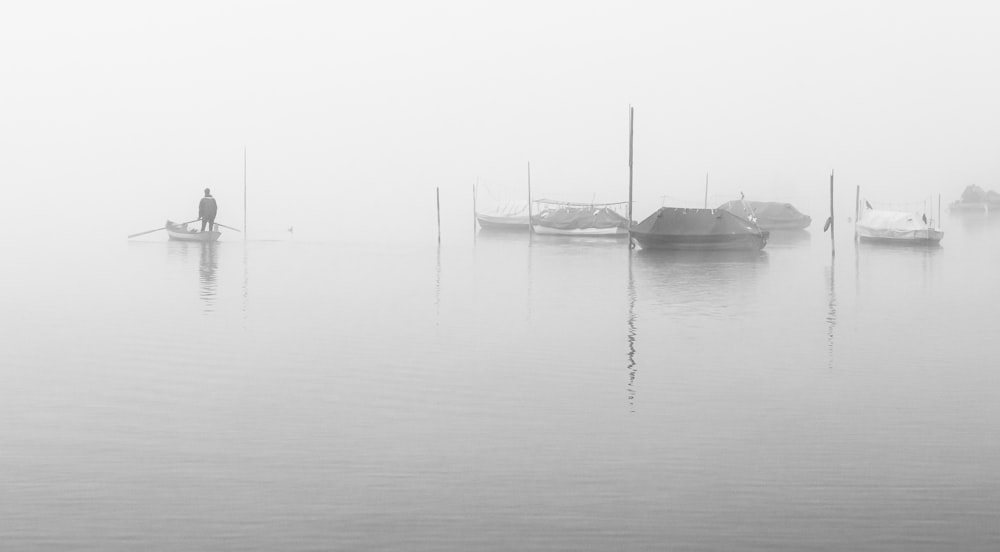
{"type": "Point", "coordinates": [115, 115]}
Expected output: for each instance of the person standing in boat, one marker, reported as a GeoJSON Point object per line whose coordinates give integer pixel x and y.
{"type": "Point", "coordinates": [207, 210]}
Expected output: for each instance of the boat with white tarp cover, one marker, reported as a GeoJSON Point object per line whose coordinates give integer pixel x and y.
{"type": "Point", "coordinates": [898, 227]}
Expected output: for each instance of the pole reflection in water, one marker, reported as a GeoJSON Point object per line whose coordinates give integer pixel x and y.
{"type": "Point", "coordinates": [528, 294]}
{"type": "Point", "coordinates": [206, 275]}
{"type": "Point", "coordinates": [857, 270]}
{"type": "Point", "coordinates": [246, 283]}
{"type": "Point", "coordinates": [631, 367]}
{"type": "Point", "coordinates": [437, 288]}
{"type": "Point", "coordinates": [831, 315]}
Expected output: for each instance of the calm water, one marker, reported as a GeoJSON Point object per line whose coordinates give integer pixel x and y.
{"type": "Point", "coordinates": [510, 394]}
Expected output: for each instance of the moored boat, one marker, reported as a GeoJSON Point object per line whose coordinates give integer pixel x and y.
{"type": "Point", "coordinates": [181, 232]}
{"type": "Point", "coordinates": [579, 219]}
{"type": "Point", "coordinates": [770, 215]}
{"type": "Point", "coordinates": [676, 228]}
{"type": "Point", "coordinates": [896, 227]}
{"type": "Point", "coordinates": [509, 216]}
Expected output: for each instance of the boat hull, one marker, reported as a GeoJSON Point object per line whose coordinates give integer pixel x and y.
{"type": "Point", "coordinates": [926, 236]}
{"type": "Point", "coordinates": [513, 224]}
{"type": "Point", "coordinates": [714, 242]}
{"type": "Point", "coordinates": [209, 236]}
{"type": "Point", "coordinates": [613, 232]}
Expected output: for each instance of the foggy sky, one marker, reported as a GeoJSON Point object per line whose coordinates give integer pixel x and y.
{"type": "Point", "coordinates": [117, 114]}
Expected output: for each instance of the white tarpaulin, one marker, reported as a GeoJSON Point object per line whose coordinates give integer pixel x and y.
{"type": "Point", "coordinates": [896, 225]}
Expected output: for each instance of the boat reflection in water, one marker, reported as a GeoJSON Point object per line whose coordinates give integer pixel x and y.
{"type": "Point", "coordinates": [788, 238]}
{"type": "Point", "coordinates": [677, 296]}
{"type": "Point", "coordinates": [207, 266]}
{"type": "Point", "coordinates": [698, 261]}
{"type": "Point", "coordinates": [576, 242]}
{"type": "Point", "coordinates": [492, 235]}
{"type": "Point", "coordinates": [676, 279]}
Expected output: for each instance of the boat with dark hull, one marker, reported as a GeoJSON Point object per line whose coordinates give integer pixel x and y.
{"type": "Point", "coordinates": [674, 228]}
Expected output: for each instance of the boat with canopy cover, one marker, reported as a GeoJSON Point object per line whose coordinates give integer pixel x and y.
{"type": "Point", "coordinates": [579, 219]}
{"type": "Point", "coordinates": [770, 215]}
{"type": "Point", "coordinates": [898, 227]}
{"type": "Point", "coordinates": [678, 228]}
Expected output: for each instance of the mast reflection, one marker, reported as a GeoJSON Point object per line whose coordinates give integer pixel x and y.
{"type": "Point", "coordinates": [630, 366]}
{"type": "Point", "coordinates": [246, 284]}
{"type": "Point", "coordinates": [437, 287]}
{"type": "Point", "coordinates": [831, 314]}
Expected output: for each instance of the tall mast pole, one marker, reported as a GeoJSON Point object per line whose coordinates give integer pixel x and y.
{"type": "Point", "coordinates": [631, 134]}
{"type": "Point", "coordinates": [631, 118]}
{"type": "Point", "coordinates": [706, 191]}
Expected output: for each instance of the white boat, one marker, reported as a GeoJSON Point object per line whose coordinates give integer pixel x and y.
{"type": "Point", "coordinates": [508, 216]}
{"type": "Point", "coordinates": [897, 227]}
{"type": "Point", "coordinates": [181, 232]}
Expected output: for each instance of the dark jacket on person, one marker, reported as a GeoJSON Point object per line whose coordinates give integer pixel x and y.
{"type": "Point", "coordinates": [207, 208]}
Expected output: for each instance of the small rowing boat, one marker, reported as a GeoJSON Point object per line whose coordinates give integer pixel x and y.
{"type": "Point", "coordinates": [512, 216]}
{"type": "Point", "coordinates": [180, 232]}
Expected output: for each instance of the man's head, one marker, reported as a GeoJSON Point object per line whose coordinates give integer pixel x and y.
{"type": "Point", "coordinates": [208, 193]}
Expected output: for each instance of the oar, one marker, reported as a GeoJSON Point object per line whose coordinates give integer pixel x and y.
{"type": "Point", "coordinates": [229, 227]}
{"type": "Point", "coordinates": [158, 229]}
{"type": "Point", "coordinates": [130, 236]}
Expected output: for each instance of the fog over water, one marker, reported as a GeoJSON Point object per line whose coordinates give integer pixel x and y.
{"type": "Point", "coordinates": [117, 114]}
{"type": "Point", "coordinates": [355, 385]}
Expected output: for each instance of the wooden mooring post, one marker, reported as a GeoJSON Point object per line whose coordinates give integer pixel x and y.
{"type": "Point", "coordinates": [475, 222]}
